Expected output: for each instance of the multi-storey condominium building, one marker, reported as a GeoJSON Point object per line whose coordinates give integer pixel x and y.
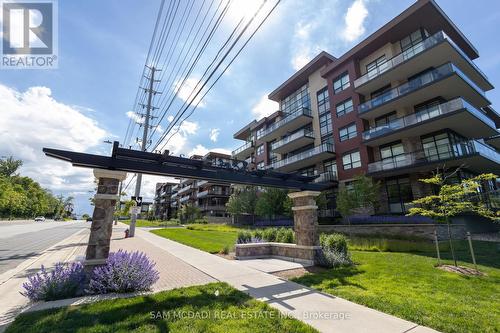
{"type": "Point", "coordinates": [406, 100]}
{"type": "Point", "coordinates": [210, 197]}
{"type": "Point", "coordinates": [162, 200]}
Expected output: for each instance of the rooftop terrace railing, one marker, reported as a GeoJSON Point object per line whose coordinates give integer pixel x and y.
{"type": "Point", "coordinates": [290, 117]}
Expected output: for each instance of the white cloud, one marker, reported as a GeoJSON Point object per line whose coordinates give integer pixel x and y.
{"type": "Point", "coordinates": [177, 140]}
{"type": "Point", "coordinates": [32, 120]}
{"type": "Point", "coordinates": [354, 20]}
{"type": "Point", "coordinates": [188, 90]}
{"type": "Point", "coordinates": [264, 107]}
{"type": "Point", "coordinates": [307, 49]}
{"type": "Point", "coordinates": [135, 117]}
{"type": "Point", "coordinates": [214, 134]}
{"type": "Point", "coordinates": [202, 150]}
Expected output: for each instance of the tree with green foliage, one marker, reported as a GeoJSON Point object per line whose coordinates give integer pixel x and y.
{"type": "Point", "coordinates": [243, 200]}
{"type": "Point", "coordinates": [362, 194]}
{"type": "Point", "coordinates": [9, 166]}
{"type": "Point", "coordinates": [85, 216]}
{"type": "Point", "coordinates": [453, 199]}
{"type": "Point", "coordinates": [189, 213]}
{"type": "Point", "coordinates": [273, 202]}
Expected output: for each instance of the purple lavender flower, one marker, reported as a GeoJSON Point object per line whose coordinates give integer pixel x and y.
{"type": "Point", "coordinates": [123, 272]}
{"type": "Point", "coordinates": [64, 281]}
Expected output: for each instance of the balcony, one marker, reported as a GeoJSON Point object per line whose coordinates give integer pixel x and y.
{"type": "Point", "coordinates": [184, 199]}
{"type": "Point", "coordinates": [304, 159]}
{"type": "Point", "coordinates": [327, 177]}
{"type": "Point", "coordinates": [244, 151]}
{"type": "Point", "coordinates": [433, 51]}
{"type": "Point", "coordinates": [456, 114]}
{"type": "Point", "coordinates": [185, 181]}
{"type": "Point", "coordinates": [288, 124]}
{"type": "Point", "coordinates": [473, 155]}
{"type": "Point", "coordinates": [205, 208]}
{"type": "Point", "coordinates": [185, 189]}
{"type": "Point", "coordinates": [293, 142]}
{"type": "Point", "coordinates": [446, 81]}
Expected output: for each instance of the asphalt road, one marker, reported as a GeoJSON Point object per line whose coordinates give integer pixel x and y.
{"type": "Point", "coordinates": [22, 240]}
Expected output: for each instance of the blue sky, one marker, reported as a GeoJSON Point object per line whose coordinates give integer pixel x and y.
{"type": "Point", "coordinates": [102, 49]}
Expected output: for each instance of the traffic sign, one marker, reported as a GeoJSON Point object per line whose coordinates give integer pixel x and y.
{"type": "Point", "coordinates": [138, 200]}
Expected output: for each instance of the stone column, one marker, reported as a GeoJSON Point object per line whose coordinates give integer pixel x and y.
{"type": "Point", "coordinates": [305, 217]}
{"type": "Point", "coordinates": [102, 218]}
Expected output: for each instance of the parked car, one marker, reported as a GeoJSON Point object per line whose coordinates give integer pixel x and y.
{"type": "Point", "coordinates": [39, 219]}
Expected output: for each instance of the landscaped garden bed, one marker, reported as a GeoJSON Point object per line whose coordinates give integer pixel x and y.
{"type": "Point", "coordinates": [214, 307]}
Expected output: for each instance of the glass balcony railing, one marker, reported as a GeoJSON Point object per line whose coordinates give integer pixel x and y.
{"type": "Point", "coordinates": [415, 118]}
{"type": "Point", "coordinates": [326, 177]}
{"type": "Point", "coordinates": [185, 189]}
{"type": "Point", "coordinates": [292, 116]}
{"type": "Point", "coordinates": [323, 148]}
{"type": "Point", "coordinates": [420, 81]}
{"type": "Point", "coordinates": [302, 133]}
{"type": "Point", "coordinates": [242, 148]}
{"type": "Point", "coordinates": [410, 53]}
{"type": "Point", "coordinates": [435, 154]}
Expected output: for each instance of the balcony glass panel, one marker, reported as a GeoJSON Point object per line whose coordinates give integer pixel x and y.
{"type": "Point", "coordinates": [292, 116]}
{"type": "Point", "coordinates": [326, 177]}
{"type": "Point", "coordinates": [323, 148]}
{"type": "Point", "coordinates": [242, 148]}
{"type": "Point", "coordinates": [415, 84]}
{"type": "Point", "coordinates": [434, 154]}
{"type": "Point", "coordinates": [290, 138]}
{"type": "Point", "coordinates": [411, 52]}
{"type": "Point", "coordinates": [415, 118]}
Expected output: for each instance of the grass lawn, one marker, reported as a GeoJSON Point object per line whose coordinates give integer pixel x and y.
{"type": "Point", "coordinates": [147, 223]}
{"type": "Point", "coordinates": [206, 237]}
{"type": "Point", "coordinates": [410, 287]}
{"type": "Point", "coordinates": [193, 309]}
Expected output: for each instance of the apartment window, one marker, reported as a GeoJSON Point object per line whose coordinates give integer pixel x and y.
{"type": "Point", "coordinates": [385, 119]}
{"type": "Point", "coordinates": [260, 165]}
{"type": "Point", "coordinates": [308, 171]}
{"type": "Point", "coordinates": [260, 150]}
{"type": "Point", "coordinates": [399, 194]}
{"type": "Point", "coordinates": [260, 131]}
{"type": "Point", "coordinates": [348, 132]}
{"type": "Point", "coordinates": [341, 83]}
{"type": "Point", "coordinates": [330, 166]}
{"type": "Point", "coordinates": [323, 100]}
{"type": "Point", "coordinates": [377, 66]}
{"type": "Point", "coordinates": [325, 124]}
{"type": "Point", "coordinates": [344, 107]}
{"type": "Point", "coordinates": [351, 160]}
{"type": "Point", "coordinates": [412, 44]}
{"type": "Point", "coordinates": [393, 155]}
{"type": "Point", "coordinates": [299, 99]}
{"type": "Point", "coordinates": [428, 110]}
{"type": "Point", "coordinates": [445, 145]}
{"type": "Point", "coordinates": [380, 92]}
{"type": "Point", "coordinates": [327, 139]}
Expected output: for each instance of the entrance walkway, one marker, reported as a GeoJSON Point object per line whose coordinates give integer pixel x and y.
{"type": "Point", "coordinates": [324, 312]}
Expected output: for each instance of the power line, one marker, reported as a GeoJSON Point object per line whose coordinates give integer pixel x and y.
{"type": "Point", "coordinates": [185, 107]}
{"type": "Point", "coordinates": [220, 75]}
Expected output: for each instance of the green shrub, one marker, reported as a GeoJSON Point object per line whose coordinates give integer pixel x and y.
{"type": "Point", "coordinates": [224, 250]}
{"type": "Point", "coordinates": [269, 234]}
{"type": "Point", "coordinates": [285, 235]}
{"type": "Point", "coordinates": [258, 234]}
{"type": "Point", "coordinates": [244, 237]}
{"type": "Point", "coordinates": [335, 252]}
{"type": "Point", "coordinates": [333, 242]}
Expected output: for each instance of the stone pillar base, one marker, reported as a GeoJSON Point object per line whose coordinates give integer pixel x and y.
{"type": "Point", "coordinates": [305, 217]}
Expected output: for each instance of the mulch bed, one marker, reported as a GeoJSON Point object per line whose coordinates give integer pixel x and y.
{"type": "Point", "coordinates": [461, 270]}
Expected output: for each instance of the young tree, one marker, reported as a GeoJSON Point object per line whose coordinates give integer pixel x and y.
{"type": "Point", "coordinates": [363, 194]}
{"type": "Point", "coordinates": [242, 201]}
{"type": "Point", "coordinates": [452, 200]}
{"type": "Point", "coordinates": [273, 202]}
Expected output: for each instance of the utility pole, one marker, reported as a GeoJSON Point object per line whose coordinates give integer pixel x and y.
{"type": "Point", "coordinates": [149, 108]}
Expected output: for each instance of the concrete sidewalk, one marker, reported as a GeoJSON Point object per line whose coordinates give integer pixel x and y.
{"type": "Point", "coordinates": [324, 312]}
{"type": "Point", "coordinates": [11, 281]}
